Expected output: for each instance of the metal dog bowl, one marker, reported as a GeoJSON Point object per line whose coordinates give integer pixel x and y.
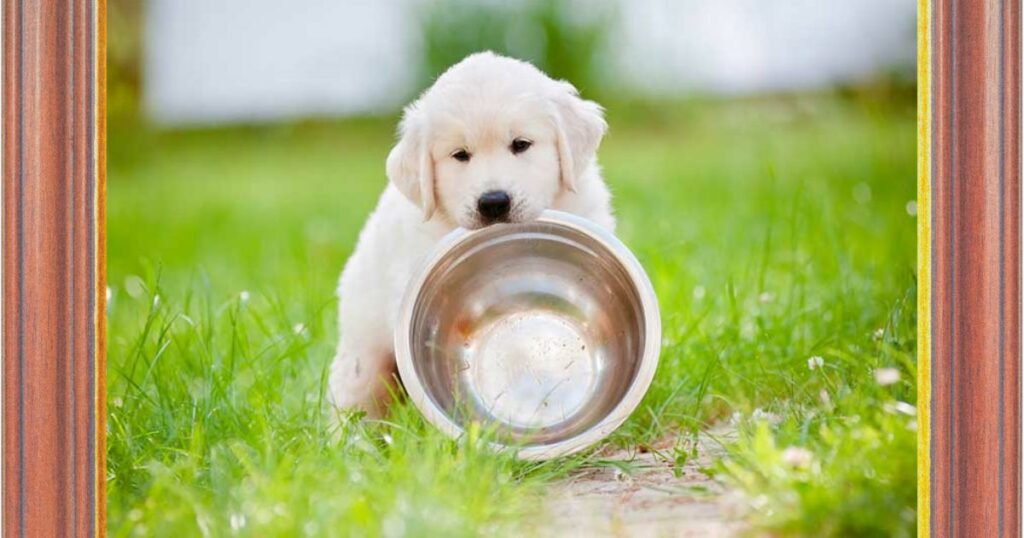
{"type": "Point", "coordinates": [547, 330]}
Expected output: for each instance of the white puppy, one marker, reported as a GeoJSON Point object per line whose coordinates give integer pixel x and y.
{"type": "Point", "coordinates": [493, 140]}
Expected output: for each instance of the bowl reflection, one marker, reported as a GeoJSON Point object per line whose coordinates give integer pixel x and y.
{"type": "Point", "coordinates": [548, 331]}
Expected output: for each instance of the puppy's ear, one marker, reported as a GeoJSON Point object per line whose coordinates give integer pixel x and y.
{"type": "Point", "coordinates": [579, 126]}
{"type": "Point", "coordinates": [410, 166]}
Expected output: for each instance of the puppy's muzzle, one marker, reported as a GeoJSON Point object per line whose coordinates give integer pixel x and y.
{"type": "Point", "coordinates": [494, 206]}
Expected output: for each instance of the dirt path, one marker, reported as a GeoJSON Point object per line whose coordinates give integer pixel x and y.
{"type": "Point", "coordinates": [641, 496]}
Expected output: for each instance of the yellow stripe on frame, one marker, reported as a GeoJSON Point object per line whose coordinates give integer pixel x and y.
{"type": "Point", "coordinates": [924, 265]}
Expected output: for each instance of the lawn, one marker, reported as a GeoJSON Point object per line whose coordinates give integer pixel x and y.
{"type": "Point", "coordinates": [780, 238]}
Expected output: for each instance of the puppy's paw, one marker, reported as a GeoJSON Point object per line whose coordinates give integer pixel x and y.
{"type": "Point", "coordinates": [354, 389]}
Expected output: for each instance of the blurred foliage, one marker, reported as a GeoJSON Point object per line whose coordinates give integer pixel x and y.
{"type": "Point", "coordinates": [124, 58]}
{"type": "Point", "coordinates": [556, 36]}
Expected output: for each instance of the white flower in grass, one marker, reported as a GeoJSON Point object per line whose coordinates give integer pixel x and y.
{"type": "Point", "coordinates": [134, 286]}
{"type": "Point", "coordinates": [797, 457]}
{"type": "Point", "coordinates": [887, 376]}
{"type": "Point", "coordinates": [156, 301]}
{"type": "Point", "coordinates": [815, 362]}
{"type": "Point", "coordinates": [766, 297]}
{"type": "Point", "coordinates": [237, 521]}
{"type": "Point", "coordinates": [748, 331]}
{"type": "Point", "coordinates": [243, 296]}
{"type": "Point", "coordinates": [912, 208]}
{"type": "Point", "coordinates": [879, 333]}
{"type": "Point", "coordinates": [767, 416]}
{"type": "Point", "coordinates": [901, 407]}
{"type": "Point", "coordinates": [906, 409]}
{"type": "Point", "coordinates": [698, 292]}
{"type": "Point", "coordinates": [299, 328]}
{"type": "Point", "coordinates": [117, 402]}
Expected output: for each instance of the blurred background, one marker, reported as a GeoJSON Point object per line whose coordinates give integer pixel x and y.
{"type": "Point", "coordinates": [260, 102]}
{"type": "Point", "coordinates": [186, 62]}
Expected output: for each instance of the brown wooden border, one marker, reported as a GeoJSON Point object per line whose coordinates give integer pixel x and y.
{"type": "Point", "coordinates": [53, 267]}
{"type": "Point", "coordinates": [975, 420]}
{"type": "Point", "coordinates": [54, 262]}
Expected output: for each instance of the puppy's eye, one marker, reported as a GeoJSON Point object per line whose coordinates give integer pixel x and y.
{"type": "Point", "coordinates": [461, 155]}
{"type": "Point", "coordinates": [520, 145]}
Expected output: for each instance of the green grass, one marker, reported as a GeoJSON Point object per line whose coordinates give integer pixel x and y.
{"type": "Point", "coordinates": [773, 231]}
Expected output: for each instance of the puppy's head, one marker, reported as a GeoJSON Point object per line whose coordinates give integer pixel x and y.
{"type": "Point", "coordinates": [494, 140]}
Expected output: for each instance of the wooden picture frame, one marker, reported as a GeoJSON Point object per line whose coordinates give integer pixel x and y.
{"type": "Point", "coordinates": [969, 268]}
{"type": "Point", "coordinates": [53, 265]}
{"type": "Point", "coordinates": [54, 282]}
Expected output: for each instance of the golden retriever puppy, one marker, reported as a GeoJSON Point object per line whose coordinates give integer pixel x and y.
{"type": "Point", "coordinates": [493, 140]}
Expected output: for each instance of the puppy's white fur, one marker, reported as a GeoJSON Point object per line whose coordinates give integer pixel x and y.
{"type": "Point", "coordinates": [479, 105]}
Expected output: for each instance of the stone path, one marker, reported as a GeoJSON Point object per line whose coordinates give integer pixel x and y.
{"type": "Point", "coordinates": [639, 495]}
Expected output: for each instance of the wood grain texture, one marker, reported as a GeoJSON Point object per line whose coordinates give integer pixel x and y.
{"type": "Point", "coordinates": [100, 374]}
{"type": "Point", "coordinates": [52, 286]}
{"type": "Point", "coordinates": [53, 245]}
{"type": "Point", "coordinates": [975, 257]}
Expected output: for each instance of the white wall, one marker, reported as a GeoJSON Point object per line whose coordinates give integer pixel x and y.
{"type": "Point", "coordinates": [245, 60]}
{"type": "Point", "coordinates": [251, 60]}
{"type": "Point", "coordinates": [742, 46]}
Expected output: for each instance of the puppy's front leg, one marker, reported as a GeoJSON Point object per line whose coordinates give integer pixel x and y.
{"type": "Point", "coordinates": [362, 378]}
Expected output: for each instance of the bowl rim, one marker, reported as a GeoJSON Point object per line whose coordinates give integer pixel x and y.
{"type": "Point", "coordinates": [623, 408]}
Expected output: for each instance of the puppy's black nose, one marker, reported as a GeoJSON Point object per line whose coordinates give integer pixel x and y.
{"type": "Point", "coordinates": [494, 205]}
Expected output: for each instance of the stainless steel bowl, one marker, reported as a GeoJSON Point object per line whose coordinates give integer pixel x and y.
{"type": "Point", "coordinates": [547, 330]}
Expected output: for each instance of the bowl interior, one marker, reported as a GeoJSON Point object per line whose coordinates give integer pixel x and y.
{"type": "Point", "coordinates": [536, 329]}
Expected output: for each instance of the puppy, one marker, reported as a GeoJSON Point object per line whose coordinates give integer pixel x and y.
{"type": "Point", "coordinates": [493, 140]}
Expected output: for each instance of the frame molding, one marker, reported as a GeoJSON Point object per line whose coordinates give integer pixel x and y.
{"type": "Point", "coordinates": [54, 267]}
{"type": "Point", "coordinates": [53, 264]}
{"type": "Point", "coordinates": [970, 315]}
